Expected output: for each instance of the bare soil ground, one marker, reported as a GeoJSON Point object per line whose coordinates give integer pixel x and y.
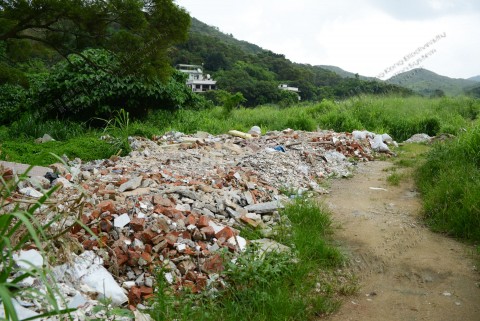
{"type": "Point", "coordinates": [405, 271]}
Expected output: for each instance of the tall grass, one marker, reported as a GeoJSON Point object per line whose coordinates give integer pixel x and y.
{"type": "Point", "coordinates": [450, 183]}
{"type": "Point", "coordinates": [401, 117]}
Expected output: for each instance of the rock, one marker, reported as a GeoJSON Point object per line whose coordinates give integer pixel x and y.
{"type": "Point", "coordinates": [255, 131]}
{"type": "Point", "coordinates": [31, 192]}
{"type": "Point", "coordinates": [27, 259]}
{"type": "Point", "coordinates": [131, 184]}
{"type": "Point", "coordinates": [59, 168]}
{"type": "Point", "coordinates": [87, 269]}
{"type": "Point", "coordinates": [419, 138]}
{"type": "Point", "coordinates": [121, 221]}
{"type": "Point", "coordinates": [267, 207]}
{"type": "Point", "coordinates": [62, 181]}
{"type": "Point", "coordinates": [268, 245]}
{"type": "Point", "coordinates": [238, 241]}
{"type": "Point", "coordinates": [77, 301]}
{"type": "Point", "coordinates": [39, 182]}
{"type": "Point", "coordinates": [44, 139]}
{"type": "Point", "coordinates": [22, 313]}
{"type": "Point", "coordinates": [158, 199]}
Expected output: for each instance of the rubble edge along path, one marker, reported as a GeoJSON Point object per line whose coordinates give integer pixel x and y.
{"type": "Point", "coordinates": [406, 272]}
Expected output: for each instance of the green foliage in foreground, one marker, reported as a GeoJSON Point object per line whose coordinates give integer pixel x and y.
{"type": "Point", "coordinates": [272, 286]}
{"type": "Point", "coordinates": [450, 183]}
{"type": "Point", "coordinates": [18, 228]}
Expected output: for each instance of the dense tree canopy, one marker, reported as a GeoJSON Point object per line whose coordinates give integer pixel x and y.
{"type": "Point", "coordinates": [139, 32]}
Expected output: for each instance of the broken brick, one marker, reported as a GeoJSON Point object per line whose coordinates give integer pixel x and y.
{"type": "Point", "coordinates": [134, 295]}
{"type": "Point", "coordinates": [107, 205]}
{"type": "Point", "coordinates": [162, 201]}
{"type": "Point", "coordinates": [213, 264]}
{"type": "Point", "coordinates": [137, 224]}
{"type": "Point", "coordinates": [225, 233]}
{"type": "Point", "coordinates": [203, 221]}
{"type": "Point", "coordinates": [208, 231]}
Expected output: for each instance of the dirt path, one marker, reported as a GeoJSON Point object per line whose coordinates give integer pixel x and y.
{"type": "Point", "coordinates": [405, 271]}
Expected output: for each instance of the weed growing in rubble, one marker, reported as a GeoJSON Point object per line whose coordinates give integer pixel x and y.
{"type": "Point", "coordinates": [20, 226]}
{"type": "Point", "coordinates": [290, 285]}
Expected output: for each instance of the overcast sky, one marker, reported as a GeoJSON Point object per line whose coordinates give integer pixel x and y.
{"type": "Point", "coordinates": [371, 37]}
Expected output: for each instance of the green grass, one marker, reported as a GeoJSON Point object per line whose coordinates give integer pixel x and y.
{"type": "Point", "coordinates": [277, 286]}
{"type": "Point", "coordinates": [449, 181]}
{"type": "Point", "coordinates": [394, 178]}
{"type": "Point", "coordinates": [85, 147]}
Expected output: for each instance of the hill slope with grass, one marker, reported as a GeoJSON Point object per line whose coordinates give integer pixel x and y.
{"type": "Point", "coordinates": [427, 82]}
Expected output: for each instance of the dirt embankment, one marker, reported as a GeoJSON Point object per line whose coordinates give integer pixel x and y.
{"type": "Point", "coordinates": [405, 271]}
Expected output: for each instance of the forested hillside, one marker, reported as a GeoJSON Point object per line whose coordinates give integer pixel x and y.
{"type": "Point", "coordinates": [243, 67]}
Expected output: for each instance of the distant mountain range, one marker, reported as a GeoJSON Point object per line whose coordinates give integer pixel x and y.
{"type": "Point", "coordinates": [476, 78]}
{"type": "Point", "coordinates": [421, 80]}
{"type": "Point", "coordinates": [426, 82]}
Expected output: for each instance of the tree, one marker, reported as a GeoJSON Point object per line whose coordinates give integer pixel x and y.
{"type": "Point", "coordinates": [139, 32]}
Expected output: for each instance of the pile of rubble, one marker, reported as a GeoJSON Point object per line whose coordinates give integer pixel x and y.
{"type": "Point", "coordinates": [177, 201]}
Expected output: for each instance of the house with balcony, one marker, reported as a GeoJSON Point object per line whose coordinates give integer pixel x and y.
{"type": "Point", "coordinates": [196, 80]}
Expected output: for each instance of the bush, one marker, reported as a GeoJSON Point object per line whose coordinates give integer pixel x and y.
{"type": "Point", "coordinates": [78, 91]}
{"type": "Point", "coordinates": [13, 99]}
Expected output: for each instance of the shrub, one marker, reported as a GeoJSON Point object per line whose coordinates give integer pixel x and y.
{"type": "Point", "coordinates": [13, 99]}
{"type": "Point", "coordinates": [76, 90]}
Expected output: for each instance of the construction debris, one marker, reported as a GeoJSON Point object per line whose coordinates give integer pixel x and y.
{"type": "Point", "coordinates": [177, 201]}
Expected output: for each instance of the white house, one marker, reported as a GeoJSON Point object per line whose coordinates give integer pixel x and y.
{"type": "Point", "coordinates": [292, 89]}
{"type": "Point", "coordinates": [196, 80]}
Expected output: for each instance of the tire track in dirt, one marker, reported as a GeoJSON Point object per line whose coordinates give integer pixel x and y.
{"type": "Point", "coordinates": [405, 271]}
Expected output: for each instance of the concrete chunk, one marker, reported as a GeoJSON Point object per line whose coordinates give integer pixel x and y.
{"type": "Point", "coordinates": [262, 208]}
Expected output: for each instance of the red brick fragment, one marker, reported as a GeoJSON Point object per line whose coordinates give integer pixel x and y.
{"type": "Point", "coordinates": [191, 220]}
{"type": "Point", "coordinates": [106, 226]}
{"type": "Point", "coordinates": [201, 281]}
{"type": "Point", "coordinates": [162, 201]}
{"type": "Point", "coordinates": [208, 231]}
{"type": "Point", "coordinates": [225, 233]}
{"type": "Point", "coordinates": [133, 257]}
{"type": "Point", "coordinates": [148, 248]}
{"type": "Point", "coordinates": [171, 238]}
{"type": "Point", "coordinates": [147, 257]}
{"type": "Point", "coordinates": [213, 264]}
{"type": "Point", "coordinates": [203, 221]}
{"type": "Point", "coordinates": [134, 295]}
{"type": "Point", "coordinates": [137, 224]}
{"type": "Point", "coordinates": [191, 275]}
{"type": "Point", "coordinates": [107, 205]}
{"type": "Point", "coordinates": [120, 256]}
